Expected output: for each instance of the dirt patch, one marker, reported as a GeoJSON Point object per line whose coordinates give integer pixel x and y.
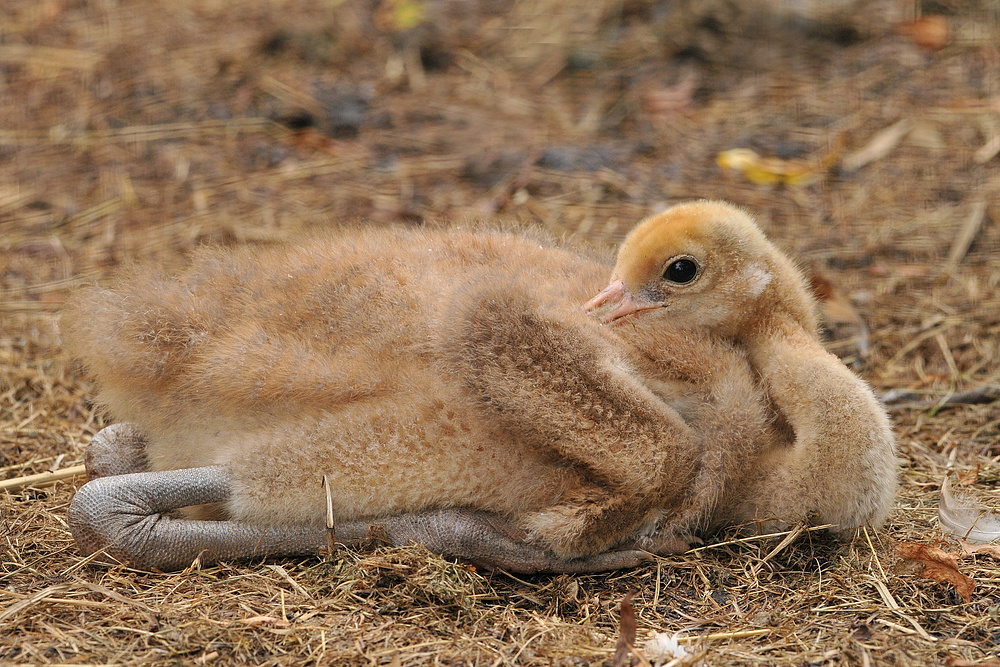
{"type": "Point", "coordinates": [137, 131]}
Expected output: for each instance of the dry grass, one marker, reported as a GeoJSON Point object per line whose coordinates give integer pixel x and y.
{"type": "Point", "coordinates": [137, 131]}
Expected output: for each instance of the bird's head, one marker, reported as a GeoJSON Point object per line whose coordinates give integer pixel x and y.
{"type": "Point", "coordinates": [704, 265]}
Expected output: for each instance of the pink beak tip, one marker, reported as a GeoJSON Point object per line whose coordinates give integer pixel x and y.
{"type": "Point", "coordinates": [623, 303]}
{"type": "Point", "coordinates": [619, 295]}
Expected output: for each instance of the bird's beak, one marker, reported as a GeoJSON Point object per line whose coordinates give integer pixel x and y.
{"type": "Point", "coordinates": [622, 302]}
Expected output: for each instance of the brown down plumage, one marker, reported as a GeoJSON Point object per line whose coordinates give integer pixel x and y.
{"type": "Point", "coordinates": [446, 387]}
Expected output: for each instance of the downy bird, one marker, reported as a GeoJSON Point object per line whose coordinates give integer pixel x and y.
{"type": "Point", "coordinates": [445, 387]}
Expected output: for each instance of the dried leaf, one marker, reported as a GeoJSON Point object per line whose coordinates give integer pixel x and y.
{"type": "Point", "coordinates": [840, 316]}
{"type": "Point", "coordinates": [938, 565]}
{"type": "Point", "coordinates": [626, 633]}
{"type": "Point", "coordinates": [964, 517]}
{"type": "Point", "coordinates": [970, 228]}
{"type": "Point", "coordinates": [969, 478]}
{"type": "Point", "coordinates": [988, 549]}
{"type": "Point", "coordinates": [768, 170]}
{"type": "Point", "coordinates": [962, 662]}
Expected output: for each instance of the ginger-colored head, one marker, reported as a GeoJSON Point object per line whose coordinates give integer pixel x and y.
{"type": "Point", "coordinates": [705, 264]}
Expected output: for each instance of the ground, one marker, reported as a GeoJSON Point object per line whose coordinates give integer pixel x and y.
{"type": "Point", "coordinates": [139, 130]}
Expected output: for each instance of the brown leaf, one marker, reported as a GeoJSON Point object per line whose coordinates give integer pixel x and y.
{"type": "Point", "coordinates": [839, 315]}
{"type": "Point", "coordinates": [837, 308]}
{"type": "Point", "coordinates": [938, 565]}
{"type": "Point", "coordinates": [962, 662]}
{"type": "Point", "coordinates": [626, 636]}
{"type": "Point", "coordinates": [969, 478]}
{"type": "Point", "coordinates": [988, 549]}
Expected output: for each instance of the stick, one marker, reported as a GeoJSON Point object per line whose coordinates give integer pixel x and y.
{"type": "Point", "coordinates": [898, 400]}
{"type": "Point", "coordinates": [42, 478]}
{"type": "Point", "coordinates": [970, 228]}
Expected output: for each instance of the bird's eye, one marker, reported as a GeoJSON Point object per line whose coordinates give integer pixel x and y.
{"type": "Point", "coordinates": [681, 271]}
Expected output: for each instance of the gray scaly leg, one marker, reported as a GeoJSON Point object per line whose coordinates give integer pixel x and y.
{"type": "Point", "coordinates": [125, 516]}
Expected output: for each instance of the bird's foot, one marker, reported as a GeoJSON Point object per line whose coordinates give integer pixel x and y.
{"type": "Point", "coordinates": [118, 449]}
{"type": "Point", "coordinates": [665, 545]}
{"type": "Point", "coordinates": [125, 517]}
{"type": "Point", "coordinates": [488, 541]}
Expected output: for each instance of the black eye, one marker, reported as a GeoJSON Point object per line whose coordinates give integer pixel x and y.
{"type": "Point", "coordinates": [681, 271]}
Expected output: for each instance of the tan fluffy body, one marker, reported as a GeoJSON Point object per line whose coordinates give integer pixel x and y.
{"type": "Point", "coordinates": [419, 370]}
{"type": "Point", "coordinates": [416, 369]}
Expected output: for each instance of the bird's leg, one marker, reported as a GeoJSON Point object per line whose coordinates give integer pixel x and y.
{"type": "Point", "coordinates": [585, 523]}
{"type": "Point", "coordinates": [117, 449]}
{"type": "Point", "coordinates": [125, 515]}
{"type": "Point", "coordinates": [710, 382]}
{"type": "Point", "coordinates": [484, 539]}
{"type": "Point", "coordinates": [735, 425]}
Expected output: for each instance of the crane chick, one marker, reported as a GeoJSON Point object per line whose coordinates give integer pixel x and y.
{"type": "Point", "coordinates": [445, 386]}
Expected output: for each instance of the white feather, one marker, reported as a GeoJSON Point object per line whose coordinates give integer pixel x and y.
{"type": "Point", "coordinates": [964, 517]}
{"type": "Point", "coordinates": [662, 648]}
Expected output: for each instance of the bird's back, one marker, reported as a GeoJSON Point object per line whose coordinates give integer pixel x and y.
{"type": "Point", "coordinates": [249, 335]}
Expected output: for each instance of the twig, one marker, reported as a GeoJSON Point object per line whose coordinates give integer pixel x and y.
{"type": "Point", "coordinates": [738, 634]}
{"type": "Point", "coordinates": [754, 538]}
{"type": "Point", "coordinates": [33, 600]}
{"type": "Point", "coordinates": [987, 151]}
{"type": "Point", "coordinates": [917, 340]}
{"type": "Point", "coordinates": [916, 626]}
{"type": "Point", "coordinates": [139, 133]}
{"type": "Point", "coordinates": [878, 147]}
{"type": "Point", "coordinates": [42, 478]}
{"type": "Point", "coordinates": [970, 228]}
{"type": "Point", "coordinates": [874, 553]}
{"type": "Point", "coordinates": [47, 56]}
{"type": "Point", "coordinates": [897, 399]}
{"type": "Point", "coordinates": [789, 538]}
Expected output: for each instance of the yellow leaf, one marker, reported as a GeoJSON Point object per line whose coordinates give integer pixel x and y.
{"type": "Point", "coordinates": [770, 171]}
{"type": "Point", "coordinates": [399, 15]}
{"type": "Point", "coordinates": [408, 14]}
